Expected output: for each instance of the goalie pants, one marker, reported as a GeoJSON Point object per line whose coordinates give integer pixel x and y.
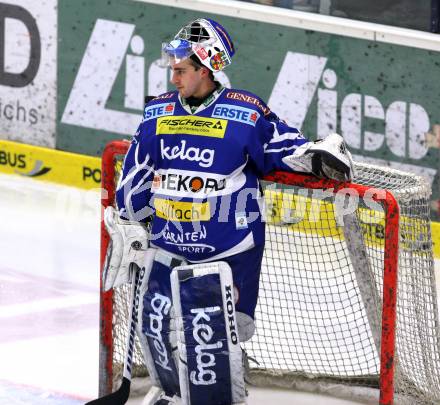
{"type": "Point", "coordinates": [156, 315]}
{"type": "Point", "coordinates": [245, 266]}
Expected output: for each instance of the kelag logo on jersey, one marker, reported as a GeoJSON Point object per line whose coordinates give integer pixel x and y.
{"type": "Point", "coordinates": [158, 110]}
{"type": "Point", "coordinates": [191, 125]}
{"type": "Point", "coordinates": [204, 157]}
{"type": "Point", "coordinates": [236, 113]}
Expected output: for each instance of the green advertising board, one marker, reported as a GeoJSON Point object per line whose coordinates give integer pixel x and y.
{"type": "Point", "coordinates": [383, 98]}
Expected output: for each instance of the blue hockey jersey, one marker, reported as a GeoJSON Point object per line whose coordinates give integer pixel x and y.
{"type": "Point", "coordinates": [198, 171]}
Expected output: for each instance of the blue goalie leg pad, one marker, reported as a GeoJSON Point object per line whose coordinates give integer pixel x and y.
{"type": "Point", "coordinates": [210, 358]}
{"type": "Point", "coordinates": [156, 309]}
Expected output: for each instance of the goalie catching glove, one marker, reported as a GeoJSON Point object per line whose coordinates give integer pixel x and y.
{"type": "Point", "coordinates": [129, 242]}
{"type": "Point", "coordinates": [326, 157]}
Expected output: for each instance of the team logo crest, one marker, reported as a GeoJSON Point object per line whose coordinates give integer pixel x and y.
{"type": "Point", "coordinates": [219, 61]}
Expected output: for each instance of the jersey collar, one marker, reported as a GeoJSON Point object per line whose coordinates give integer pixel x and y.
{"type": "Point", "coordinates": [205, 103]}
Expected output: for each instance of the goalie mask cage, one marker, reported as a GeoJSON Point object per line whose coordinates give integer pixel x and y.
{"type": "Point", "coordinates": [347, 303]}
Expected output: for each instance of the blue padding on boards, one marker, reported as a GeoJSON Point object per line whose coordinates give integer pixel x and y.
{"type": "Point", "coordinates": [206, 340]}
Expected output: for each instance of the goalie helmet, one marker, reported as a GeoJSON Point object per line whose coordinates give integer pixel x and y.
{"type": "Point", "coordinates": [204, 39]}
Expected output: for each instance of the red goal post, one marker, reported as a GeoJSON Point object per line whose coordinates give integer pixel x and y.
{"type": "Point", "coordinates": [372, 266]}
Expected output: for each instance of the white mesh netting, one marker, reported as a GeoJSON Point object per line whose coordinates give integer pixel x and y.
{"type": "Point", "coordinates": [320, 302]}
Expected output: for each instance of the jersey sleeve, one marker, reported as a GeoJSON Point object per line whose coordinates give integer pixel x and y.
{"type": "Point", "coordinates": [133, 193]}
{"type": "Point", "coordinates": [275, 140]}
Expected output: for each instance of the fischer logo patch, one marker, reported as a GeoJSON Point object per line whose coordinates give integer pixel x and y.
{"type": "Point", "coordinates": [158, 110]}
{"type": "Point", "coordinates": [191, 125]}
{"type": "Point", "coordinates": [182, 211]}
{"type": "Point", "coordinates": [236, 113]}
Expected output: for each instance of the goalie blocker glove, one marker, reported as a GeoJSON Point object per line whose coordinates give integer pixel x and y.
{"type": "Point", "coordinates": [326, 157]}
{"type": "Point", "coordinates": [129, 242]}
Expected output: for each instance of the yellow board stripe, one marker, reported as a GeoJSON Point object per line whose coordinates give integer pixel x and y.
{"type": "Point", "coordinates": [317, 217]}
{"type": "Point", "coordinates": [51, 165]}
{"type": "Point", "coordinates": [435, 226]}
{"type": "Point", "coordinates": [85, 172]}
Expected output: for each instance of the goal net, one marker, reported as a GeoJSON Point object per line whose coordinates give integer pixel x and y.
{"type": "Point", "coordinates": [347, 302]}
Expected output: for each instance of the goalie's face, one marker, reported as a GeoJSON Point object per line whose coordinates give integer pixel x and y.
{"type": "Point", "coordinates": [189, 80]}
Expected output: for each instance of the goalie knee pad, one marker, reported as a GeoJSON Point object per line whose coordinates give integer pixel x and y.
{"type": "Point", "coordinates": [210, 358]}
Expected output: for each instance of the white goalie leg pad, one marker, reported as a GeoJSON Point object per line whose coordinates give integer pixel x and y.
{"type": "Point", "coordinates": [326, 157]}
{"type": "Point", "coordinates": [156, 394]}
{"type": "Point", "coordinates": [129, 242]}
{"type": "Point", "coordinates": [210, 357]}
{"type": "Point", "coordinates": [152, 396]}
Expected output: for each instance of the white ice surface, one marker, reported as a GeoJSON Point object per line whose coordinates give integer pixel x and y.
{"type": "Point", "coordinates": [49, 292]}
{"type": "Point", "coordinates": [49, 300]}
